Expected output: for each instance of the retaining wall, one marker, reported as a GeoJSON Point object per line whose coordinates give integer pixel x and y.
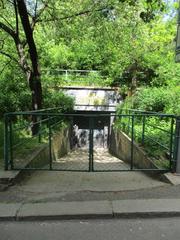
{"type": "Point", "coordinates": [120, 146]}
{"type": "Point", "coordinates": [60, 147]}
{"type": "Point", "coordinates": [61, 143]}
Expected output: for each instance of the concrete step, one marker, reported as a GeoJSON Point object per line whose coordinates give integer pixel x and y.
{"type": "Point", "coordinates": [7, 177]}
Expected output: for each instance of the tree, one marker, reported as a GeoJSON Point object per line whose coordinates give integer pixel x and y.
{"type": "Point", "coordinates": [25, 46]}
{"type": "Point", "coordinates": [79, 27]}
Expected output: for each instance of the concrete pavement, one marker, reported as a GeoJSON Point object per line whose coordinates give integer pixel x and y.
{"type": "Point", "coordinates": [50, 182]}
{"type": "Point", "coordinates": [90, 209]}
{"type": "Point", "coordinates": [45, 195]}
{"type": "Point", "coordinates": [101, 229]}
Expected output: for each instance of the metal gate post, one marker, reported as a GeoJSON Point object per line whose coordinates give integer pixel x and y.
{"type": "Point", "coordinates": [171, 145]}
{"type": "Point", "coordinates": [143, 129]}
{"type": "Point", "coordinates": [50, 143]}
{"type": "Point", "coordinates": [177, 146]}
{"type": "Point", "coordinates": [11, 144]}
{"type": "Point", "coordinates": [6, 142]}
{"type": "Point", "coordinates": [91, 164]}
{"type": "Point", "coordinates": [132, 143]}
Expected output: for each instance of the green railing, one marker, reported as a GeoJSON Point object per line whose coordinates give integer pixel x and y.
{"type": "Point", "coordinates": [60, 77]}
{"type": "Point", "coordinates": [155, 132]}
{"type": "Point", "coordinates": [18, 138]}
{"type": "Point", "coordinates": [136, 124]}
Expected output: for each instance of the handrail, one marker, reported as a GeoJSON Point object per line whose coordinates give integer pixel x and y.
{"type": "Point", "coordinates": [48, 120]}
{"type": "Point", "coordinates": [151, 112]}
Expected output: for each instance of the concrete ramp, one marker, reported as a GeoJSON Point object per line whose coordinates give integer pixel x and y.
{"type": "Point", "coordinates": [78, 159]}
{"type": "Point", "coordinates": [46, 182]}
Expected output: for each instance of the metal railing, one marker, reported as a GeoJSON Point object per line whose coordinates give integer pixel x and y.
{"type": "Point", "coordinates": [159, 135]}
{"type": "Point", "coordinates": [64, 77]}
{"type": "Point", "coordinates": [18, 127]}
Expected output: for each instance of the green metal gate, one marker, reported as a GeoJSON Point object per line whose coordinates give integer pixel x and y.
{"type": "Point", "coordinates": [20, 146]}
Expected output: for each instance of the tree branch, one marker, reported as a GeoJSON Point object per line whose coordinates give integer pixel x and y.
{"type": "Point", "coordinates": [16, 14]}
{"type": "Point", "coordinates": [8, 30]}
{"type": "Point", "coordinates": [73, 15]}
{"type": "Point", "coordinates": [29, 35]}
{"type": "Point", "coordinates": [9, 56]}
{"type": "Point", "coordinates": [35, 19]}
{"type": "Point", "coordinates": [7, 22]}
{"type": "Point", "coordinates": [35, 9]}
{"type": "Point", "coordinates": [5, 66]}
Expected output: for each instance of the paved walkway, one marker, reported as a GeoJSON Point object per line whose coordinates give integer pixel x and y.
{"type": "Point", "coordinates": [66, 195]}
{"type": "Point", "coordinates": [79, 160]}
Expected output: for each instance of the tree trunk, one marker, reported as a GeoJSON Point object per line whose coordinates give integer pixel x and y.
{"type": "Point", "coordinates": [34, 79]}
{"type": "Point", "coordinates": [36, 96]}
{"type": "Point", "coordinates": [36, 90]}
{"type": "Point", "coordinates": [34, 76]}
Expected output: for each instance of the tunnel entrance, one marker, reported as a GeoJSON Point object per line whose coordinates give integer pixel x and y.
{"type": "Point", "coordinates": [83, 141]}
{"type": "Point", "coordinates": [89, 145]}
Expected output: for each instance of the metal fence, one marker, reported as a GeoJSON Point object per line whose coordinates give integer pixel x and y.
{"type": "Point", "coordinates": [62, 77]}
{"type": "Point", "coordinates": [20, 144]}
{"type": "Point", "coordinates": [154, 131]}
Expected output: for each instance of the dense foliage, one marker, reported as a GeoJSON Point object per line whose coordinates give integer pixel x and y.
{"type": "Point", "coordinates": [129, 43]}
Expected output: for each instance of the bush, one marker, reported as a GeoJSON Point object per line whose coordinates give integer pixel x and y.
{"type": "Point", "coordinates": [162, 99]}
{"type": "Point", "coordinates": [54, 99]}
{"type": "Point", "coordinates": [15, 95]}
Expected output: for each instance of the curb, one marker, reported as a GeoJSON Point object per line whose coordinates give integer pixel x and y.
{"type": "Point", "coordinates": [147, 215]}
{"type": "Point", "coordinates": [150, 208]}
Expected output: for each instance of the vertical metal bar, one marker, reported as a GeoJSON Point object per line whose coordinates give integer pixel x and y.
{"type": "Point", "coordinates": [66, 75]}
{"type": "Point", "coordinates": [92, 149]}
{"type": "Point", "coordinates": [128, 122]}
{"type": "Point", "coordinates": [6, 142]}
{"type": "Point", "coordinates": [89, 149]}
{"type": "Point", "coordinates": [143, 129]}
{"type": "Point", "coordinates": [177, 146]}
{"type": "Point", "coordinates": [11, 144]}
{"type": "Point", "coordinates": [39, 133]}
{"type": "Point", "coordinates": [171, 144]}
{"type": "Point", "coordinates": [91, 165]}
{"type": "Point", "coordinates": [108, 137]}
{"type": "Point", "coordinates": [103, 137]}
{"type": "Point", "coordinates": [50, 144]}
{"type": "Point", "coordinates": [132, 143]}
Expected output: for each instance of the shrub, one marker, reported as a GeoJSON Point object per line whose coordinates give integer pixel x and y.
{"type": "Point", "coordinates": [162, 99]}
{"type": "Point", "coordinates": [53, 99]}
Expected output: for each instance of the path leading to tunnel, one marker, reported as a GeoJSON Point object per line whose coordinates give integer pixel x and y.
{"type": "Point", "coordinates": [51, 186]}
{"type": "Point", "coordinates": [78, 159]}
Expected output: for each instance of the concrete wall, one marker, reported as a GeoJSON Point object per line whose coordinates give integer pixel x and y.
{"type": "Point", "coordinates": [61, 143]}
{"type": "Point", "coordinates": [39, 158]}
{"type": "Point", "coordinates": [120, 146]}
{"type": "Point", "coordinates": [60, 147]}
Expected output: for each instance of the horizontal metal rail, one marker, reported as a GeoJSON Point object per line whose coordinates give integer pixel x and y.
{"type": "Point", "coordinates": [163, 146]}
{"type": "Point", "coordinates": [91, 115]}
{"type": "Point", "coordinates": [70, 70]}
{"type": "Point", "coordinates": [152, 125]}
{"type": "Point", "coordinates": [50, 120]}
{"type": "Point", "coordinates": [84, 170]}
{"type": "Point", "coordinates": [148, 112]}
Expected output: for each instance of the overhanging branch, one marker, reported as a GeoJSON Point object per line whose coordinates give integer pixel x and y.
{"type": "Point", "coordinates": [8, 30]}
{"type": "Point", "coordinates": [9, 56]}
{"type": "Point", "coordinates": [73, 15]}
